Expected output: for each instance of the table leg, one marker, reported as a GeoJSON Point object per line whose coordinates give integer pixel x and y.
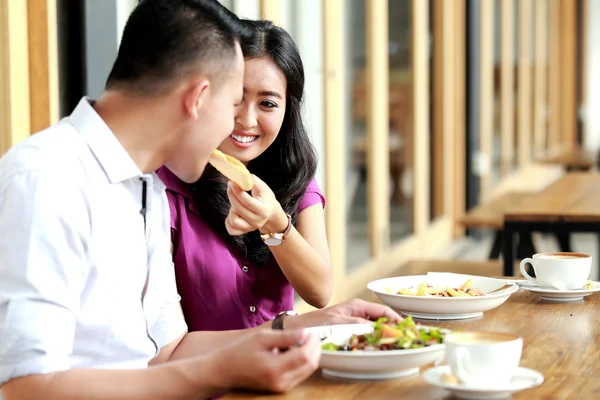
{"type": "Point", "coordinates": [598, 258]}
{"type": "Point", "coordinates": [525, 247]}
{"type": "Point", "coordinates": [496, 246]}
{"type": "Point", "coordinates": [564, 241]}
{"type": "Point", "coordinates": [508, 252]}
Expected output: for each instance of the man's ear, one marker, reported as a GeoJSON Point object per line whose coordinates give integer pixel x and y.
{"type": "Point", "coordinates": [196, 96]}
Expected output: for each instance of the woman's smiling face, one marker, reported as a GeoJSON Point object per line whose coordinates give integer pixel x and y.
{"type": "Point", "coordinates": [259, 117]}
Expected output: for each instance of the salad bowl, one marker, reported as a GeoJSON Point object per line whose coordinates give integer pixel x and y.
{"type": "Point", "coordinates": [342, 355]}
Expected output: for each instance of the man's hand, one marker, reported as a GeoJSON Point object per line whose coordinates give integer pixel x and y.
{"type": "Point", "coordinates": [355, 311]}
{"type": "Point", "coordinates": [256, 361]}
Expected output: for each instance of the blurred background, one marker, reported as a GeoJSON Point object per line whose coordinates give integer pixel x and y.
{"type": "Point", "coordinates": [429, 116]}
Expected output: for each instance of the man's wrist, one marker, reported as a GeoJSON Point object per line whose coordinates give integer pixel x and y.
{"type": "Point", "coordinates": [295, 322]}
{"type": "Point", "coordinates": [215, 374]}
{"type": "Point", "coordinates": [278, 321]}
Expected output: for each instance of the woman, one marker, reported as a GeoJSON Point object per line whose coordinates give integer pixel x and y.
{"type": "Point", "coordinates": [233, 271]}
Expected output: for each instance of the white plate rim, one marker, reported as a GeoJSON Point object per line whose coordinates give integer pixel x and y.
{"type": "Point", "coordinates": [385, 353]}
{"type": "Point", "coordinates": [566, 293]}
{"type": "Point", "coordinates": [328, 373]}
{"type": "Point", "coordinates": [561, 300]}
{"type": "Point", "coordinates": [429, 374]}
{"type": "Point", "coordinates": [442, 317]}
{"type": "Point", "coordinates": [513, 287]}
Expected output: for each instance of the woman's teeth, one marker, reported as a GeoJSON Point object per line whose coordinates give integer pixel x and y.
{"type": "Point", "coordinates": [244, 139]}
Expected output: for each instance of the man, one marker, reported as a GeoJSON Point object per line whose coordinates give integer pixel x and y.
{"type": "Point", "coordinates": [88, 303]}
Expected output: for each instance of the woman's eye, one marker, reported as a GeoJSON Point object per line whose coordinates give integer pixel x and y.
{"type": "Point", "coordinates": [268, 104]}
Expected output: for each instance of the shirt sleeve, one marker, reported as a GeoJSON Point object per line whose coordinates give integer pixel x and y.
{"type": "Point", "coordinates": [170, 323]}
{"type": "Point", "coordinates": [44, 235]}
{"type": "Point", "coordinates": [312, 196]}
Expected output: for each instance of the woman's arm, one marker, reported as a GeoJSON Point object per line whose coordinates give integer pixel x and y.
{"type": "Point", "coordinates": [304, 255]}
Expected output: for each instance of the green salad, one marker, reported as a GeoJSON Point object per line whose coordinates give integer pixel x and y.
{"type": "Point", "coordinates": [405, 334]}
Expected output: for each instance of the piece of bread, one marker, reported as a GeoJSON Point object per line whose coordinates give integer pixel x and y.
{"type": "Point", "coordinates": [232, 168]}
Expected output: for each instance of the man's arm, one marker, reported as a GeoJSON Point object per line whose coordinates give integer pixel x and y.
{"type": "Point", "coordinates": [201, 342]}
{"type": "Point", "coordinates": [350, 312]}
{"type": "Point", "coordinates": [194, 378]}
{"type": "Point", "coordinates": [44, 237]}
{"type": "Point", "coordinates": [187, 379]}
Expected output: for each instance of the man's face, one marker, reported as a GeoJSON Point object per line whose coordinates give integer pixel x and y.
{"type": "Point", "coordinates": [216, 115]}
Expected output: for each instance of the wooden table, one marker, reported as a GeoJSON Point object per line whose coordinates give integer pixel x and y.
{"type": "Point", "coordinates": [571, 204]}
{"type": "Point", "coordinates": [575, 159]}
{"type": "Point", "coordinates": [560, 340]}
{"type": "Point", "coordinates": [490, 214]}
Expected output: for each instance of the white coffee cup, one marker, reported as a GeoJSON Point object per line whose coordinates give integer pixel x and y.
{"type": "Point", "coordinates": [563, 271]}
{"type": "Point", "coordinates": [483, 359]}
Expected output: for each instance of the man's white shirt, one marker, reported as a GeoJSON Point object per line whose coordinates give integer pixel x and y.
{"type": "Point", "coordinates": [75, 254]}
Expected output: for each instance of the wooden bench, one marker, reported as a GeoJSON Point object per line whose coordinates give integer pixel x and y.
{"type": "Point", "coordinates": [575, 159]}
{"type": "Point", "coordinates": [532, 178]}
{"type": "Point", "coordinates": [490, 215]}
{"type": "Point", "coordinates": [481, 268]}
{"type": "Point", "coordinates": [514, 189]}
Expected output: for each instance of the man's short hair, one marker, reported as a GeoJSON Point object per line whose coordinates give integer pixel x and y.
{"type": "Point", "coordinates": [165, 40]}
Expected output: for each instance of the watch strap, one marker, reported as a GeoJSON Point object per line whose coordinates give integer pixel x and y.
{"type": "Point", "coordinates": [281, 236]}
{"type": "Point", "coordinates": [277, 323]}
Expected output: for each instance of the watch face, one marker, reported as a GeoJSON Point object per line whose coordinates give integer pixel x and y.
{"type": "Point", "coordinates": [273, 241]}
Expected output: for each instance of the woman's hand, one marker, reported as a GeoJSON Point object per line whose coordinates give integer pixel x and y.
{"type": "Point", "coordinates": [354, 311]}
{"type": "Point", "coordinates": [260, 211]}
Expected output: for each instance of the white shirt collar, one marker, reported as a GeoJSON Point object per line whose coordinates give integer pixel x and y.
{"type": "Point", "coordinates": [112, 156]}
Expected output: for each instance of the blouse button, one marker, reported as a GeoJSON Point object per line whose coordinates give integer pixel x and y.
{"type": "Point", "coordinates": [252, 309]}
{"type": "Point", "coordinates": [245, 268]}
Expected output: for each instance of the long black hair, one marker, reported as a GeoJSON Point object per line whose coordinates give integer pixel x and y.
{"type": "Point", "coordinates": [287, 166]}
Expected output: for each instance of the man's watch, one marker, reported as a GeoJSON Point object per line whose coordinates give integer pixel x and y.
{"type": "Point", "coordinates": [275, 239]}
{"type": "Point", "coordinates": [278, 320]}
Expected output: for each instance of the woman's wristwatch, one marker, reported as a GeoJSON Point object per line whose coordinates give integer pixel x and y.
{"type": "Point", "coordinates": [278, 320]}
{"type": "Point", "coordinates": [275, 239]}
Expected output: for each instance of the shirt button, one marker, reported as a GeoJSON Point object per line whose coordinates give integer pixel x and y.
{"type": "Point", "coordinates": [252, 309]}
{"type": "Point", "coordinates": [245, 268]}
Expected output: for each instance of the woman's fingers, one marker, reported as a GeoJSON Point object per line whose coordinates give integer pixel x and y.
{"type": "Point", "coordinates": [236, 225]}
{"type": "Point", "coordinates": [255, 212]}
{"type": "Point", "coordinates": [242, 211]}
{"type": "Point", "coordinates": [253, 204]}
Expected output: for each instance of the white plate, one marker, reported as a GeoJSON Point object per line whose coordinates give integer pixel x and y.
{"type": "Point", "coordinates": [524, 379]}
{"type": "Point", "coordinates": [371, 365]}
{"type": "Point", "coordinates": [560, 296]}
{"type": "Point", "coordinates": [442, 308]}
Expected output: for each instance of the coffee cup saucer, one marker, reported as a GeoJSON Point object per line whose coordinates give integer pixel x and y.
{"type": "Point", "coordinates": [524, 378]}
{"type": "Point", "coordinates": [557, 295]}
